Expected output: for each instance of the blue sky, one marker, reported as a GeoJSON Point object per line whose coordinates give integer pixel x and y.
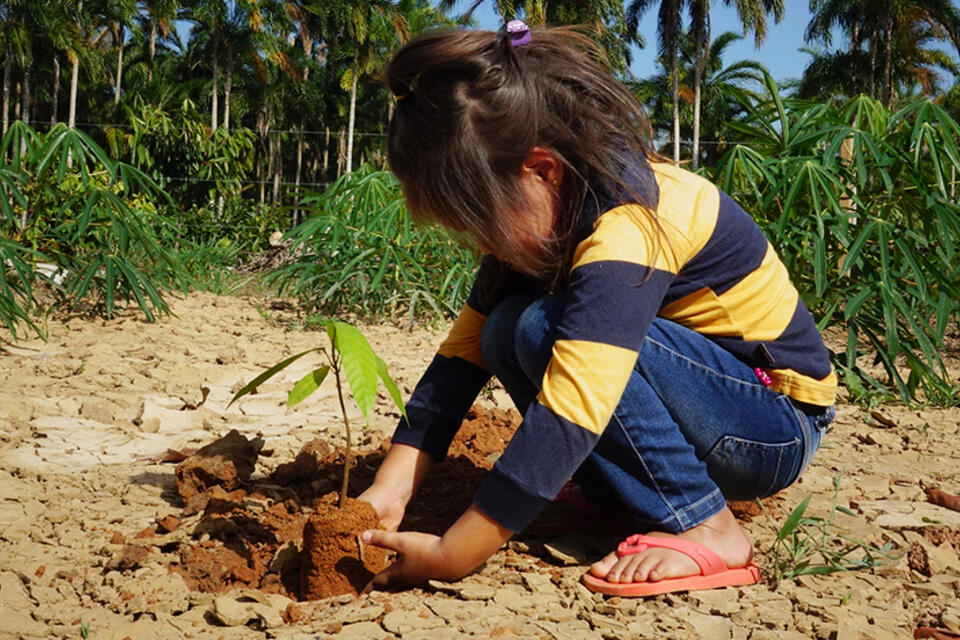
{"type": "Point", "coordinates": [778, 53]}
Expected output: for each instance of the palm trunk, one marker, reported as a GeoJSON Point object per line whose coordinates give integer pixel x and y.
{"type": "Point", "coordinates": [277, 169]}
{"type": "Point", "coordinates": [296, 181]}
{"type": "Point", "coordinates": [152, 48]}
{"type": "Point", "coordinates": [675, 74]}
{"type": "Point", "coordinates": [25, 94]}
{"type": "Point", "coordinates": [213, 99]}
{"type": "Point", "coordinates": [116, 95]}
{"type": "Point", "coordinates": [341, 151]}
{"type": "Point", "coordinates": [74, 76]}
{"type": "Point", "coordinates": [326, 152]}
{"type": "Point", "coordinates": [227, 87]}
{"type": "Point", "coordinates": [7, 68]}
{"type": "Point", "coordinates": [55, 93]}
{"type": "Point", "coordinates": [353, 112]}
{"type": "Point", "coordinates": [697, 79]}
{"type": "Point", "coordinates": [873, 67]}
{"type": "Point", "coordinates": [888, 63]}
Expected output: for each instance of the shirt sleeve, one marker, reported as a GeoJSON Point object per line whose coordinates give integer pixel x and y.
{"type": "Point", "coordinates": [619, 278]}
{"type": "Point", "coordinates": [458, 371]}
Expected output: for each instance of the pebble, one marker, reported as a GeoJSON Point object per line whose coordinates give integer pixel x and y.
{"type": "Point", "coordinates": [362, 631]}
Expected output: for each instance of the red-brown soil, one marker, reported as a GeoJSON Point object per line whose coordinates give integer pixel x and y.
{"type": "Point", "coordinates": [252, 536]}
{"type": "Point", "coordinates": [334, 559]}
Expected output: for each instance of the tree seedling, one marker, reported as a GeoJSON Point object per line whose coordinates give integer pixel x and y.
{"type": "Point", "coordinates": [351, 355]}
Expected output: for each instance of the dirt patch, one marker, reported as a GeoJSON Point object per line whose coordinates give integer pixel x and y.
{"type": "Point", "coordinates": [334, 560]}
{"type": "Point", "coordinates": [284, 535]}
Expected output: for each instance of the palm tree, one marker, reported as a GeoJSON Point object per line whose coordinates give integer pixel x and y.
{"type": "Point", "coordinates": [886, 28]}
{"type": "Point", "coordinates": [668, 42]}
{"type": "Point", "coordinates": [719, 82]}
{"type": "Point", "coordinates": [753, 17]}
{"type": "Point", "coordinates": [159, 16]}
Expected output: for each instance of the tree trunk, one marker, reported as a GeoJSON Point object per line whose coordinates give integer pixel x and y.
{"type": "Point", "coordinates": [277, 168]}
{"type": "Point", "coordinates": [55, 93]}
{"type": "Point", "coordinates": [25, 94]}
{"type": "Point", "coordinates": [697, 80]}
{"type": "Point", "coordinates": [296, 181]}
{"type": "Point", "coordinates": [675, 96]}
{"type": "Point", "coordinates": [227, 86]}
{"type": "Point", "coordinates": [116, 95]}
{"type": "Point", "coordinates": [213, 99]}
{"type": "Point", "coordinates": [326, 152]}
{"type": "Point", "coordinates": [353, 112]}
{"type": "Point", "coordinates": [7, 67]}
{"type": "Point", "coordinates": [74, 76]}
{"type": "Point", "coordinates": [152, 48]}
{"type": "Point", "coordinates": [888, 63]}
{"type": "Point", "coordinates": [341, 151]}
{"type": "Point", "coordinates": [873, 66]}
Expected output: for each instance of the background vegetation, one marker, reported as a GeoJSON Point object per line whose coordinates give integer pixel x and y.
{"type": "Point", "coordinates": [159, 143]}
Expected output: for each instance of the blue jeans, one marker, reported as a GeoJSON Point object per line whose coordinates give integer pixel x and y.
{"type": "Point", "coordinates": [694, 427]}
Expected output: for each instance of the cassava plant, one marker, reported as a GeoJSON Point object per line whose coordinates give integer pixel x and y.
{"type": "Point", "coordinates": [861, 203]}
{"type": "Point", "coordinates": [349, 353]}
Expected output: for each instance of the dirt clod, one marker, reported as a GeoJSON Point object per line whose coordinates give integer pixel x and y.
{"type": "Point", "coordinates": [227, 462]}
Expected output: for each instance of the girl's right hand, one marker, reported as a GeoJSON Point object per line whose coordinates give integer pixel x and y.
{"type": "Point", "coordinates": [389, 506]}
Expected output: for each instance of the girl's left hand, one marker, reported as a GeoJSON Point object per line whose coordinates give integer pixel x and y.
{"type": "Point", "coordinates": [419, 558]}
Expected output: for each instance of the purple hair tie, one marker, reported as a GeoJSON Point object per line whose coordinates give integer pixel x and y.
{"type": "Point", "coordinates": [518, 32]}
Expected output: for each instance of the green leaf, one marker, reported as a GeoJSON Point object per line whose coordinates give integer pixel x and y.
{"type": "Point", "coordinates": [793, 521]}
{"type": "Point", "coordinates": [359, 363]}
{"type": "Point", "coordinates": [269, 373]}
{"type": "Point", "coordinates": [307, 385]}
{"type": "Point", "coordinates": [391, 386]}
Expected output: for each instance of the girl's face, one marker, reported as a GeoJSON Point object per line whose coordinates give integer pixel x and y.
{"type": "Point", "coordinates": [533, 222]}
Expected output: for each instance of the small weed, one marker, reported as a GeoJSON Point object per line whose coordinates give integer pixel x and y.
{"type": "Point", "coordinates": [85, 630]}
{"type": "Point", "coordinates": [803, 540]}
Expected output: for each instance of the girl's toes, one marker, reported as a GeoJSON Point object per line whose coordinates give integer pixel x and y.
{"type": "Point", "coordinates": [601, 568]}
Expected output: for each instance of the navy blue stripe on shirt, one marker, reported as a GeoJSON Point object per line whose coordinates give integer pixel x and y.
{"type": "Point", "coordinates": [436, 409]}
{"type": "Point", "coordinates": [511, 493]}
{"type": "Point", "coordinates": [609, 302]}
{"type": "Point", "coordinates": [737, 246]}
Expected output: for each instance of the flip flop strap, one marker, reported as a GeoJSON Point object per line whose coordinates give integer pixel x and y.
{"type": "Point", "coordinates": [708, 561]}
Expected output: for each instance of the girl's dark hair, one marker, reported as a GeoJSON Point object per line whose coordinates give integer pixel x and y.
{"type": "Point", "coordinates": [471, 107]}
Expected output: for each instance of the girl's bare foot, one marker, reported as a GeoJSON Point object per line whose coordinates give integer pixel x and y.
{"type": "Point", "coordinates": [720, 533]}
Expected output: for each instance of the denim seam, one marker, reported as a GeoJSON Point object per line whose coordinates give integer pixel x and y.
{"type": "Point", "coordinates": [700, 365]}
{"type": "Point", "coordinates": [679, 516]}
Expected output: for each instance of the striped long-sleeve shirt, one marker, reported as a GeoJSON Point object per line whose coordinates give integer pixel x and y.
{"type": "Point", "coordinates": [700, 261]}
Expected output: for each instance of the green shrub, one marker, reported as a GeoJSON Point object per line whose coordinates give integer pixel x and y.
{"type": "Point", "coordinates": [79, 221]}
{"type": "Point", "coordinates": [859, 202]}
{"type": "Point", "coordinates": [362, 253]}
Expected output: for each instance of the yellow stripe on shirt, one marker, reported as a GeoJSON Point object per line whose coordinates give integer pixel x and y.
{"type": "Point", "coordinates": [463, 341]}
{"type": "Point", "coordinates": [576, 389]}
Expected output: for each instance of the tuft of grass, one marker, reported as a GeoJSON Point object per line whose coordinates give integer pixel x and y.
{"type": "Point", "coordinates": [811, 545]}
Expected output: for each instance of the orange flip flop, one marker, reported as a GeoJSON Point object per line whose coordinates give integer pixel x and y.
{"type": "Point", "coordinates": [714, 573]}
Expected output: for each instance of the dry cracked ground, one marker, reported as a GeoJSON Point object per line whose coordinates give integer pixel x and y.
{"type": "Point", "coordinates": [86, 418]}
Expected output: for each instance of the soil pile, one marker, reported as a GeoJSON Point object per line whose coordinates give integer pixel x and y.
{"type": "Point", "coordinates": [284, 534]}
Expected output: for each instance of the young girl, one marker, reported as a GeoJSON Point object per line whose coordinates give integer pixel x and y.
{"type": "Point", "coordinates": [637, 316]}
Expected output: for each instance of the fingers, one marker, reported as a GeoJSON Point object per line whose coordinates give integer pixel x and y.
{"type": "Point", "coordinates": [386, 539]}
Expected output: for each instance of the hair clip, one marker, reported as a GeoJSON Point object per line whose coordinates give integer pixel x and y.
{"type": "Point", "coordinates": [518, 32]}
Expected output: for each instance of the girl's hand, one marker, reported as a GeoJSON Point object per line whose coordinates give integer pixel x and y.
{"type": "Point", "coordinates": [388, 505]}
{"type": "Point", "coordinates": [472, 539]}
{"type": "Point", "coordinates": [419, 558]}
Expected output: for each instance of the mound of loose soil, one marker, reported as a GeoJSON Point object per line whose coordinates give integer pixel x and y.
{"type": "Point", "coordinates": [283, 534]}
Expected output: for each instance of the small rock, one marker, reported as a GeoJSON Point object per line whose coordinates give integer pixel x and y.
{"type": "Point", "coordinates": [168, 524]}
{"type": "Point", "coordinates": [400, 622]}
{"type": "Point", "coordinates": [99, 411]}
{"type": "Point", "coordinates": [248, 605]}
{"type": "Point", "coordinates": [563, 558]}
{"type": "Point", "coordinates": [477, 592]}
{"type": "Point", "coordinates": [227, 462]}
{"type": "Point", "coordinates": [361, 631]}
{"type": "Point", "coordinates": [129, 558]}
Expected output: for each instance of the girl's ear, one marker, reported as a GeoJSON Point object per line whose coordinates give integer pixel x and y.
{"type": "Point", "coordinates": [544, 164]}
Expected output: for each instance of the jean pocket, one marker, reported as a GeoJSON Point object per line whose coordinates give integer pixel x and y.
{"type": "Point", "coordinates": [747, 469]}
